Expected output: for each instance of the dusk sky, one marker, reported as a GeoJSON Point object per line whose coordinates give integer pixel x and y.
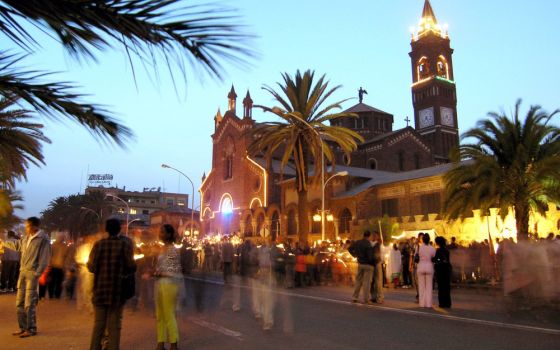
{"type": "Point", "coordinates": [504, 50]}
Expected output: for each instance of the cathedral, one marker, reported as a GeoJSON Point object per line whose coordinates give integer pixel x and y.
{"type": "Point", "coordinates": [393, 173]}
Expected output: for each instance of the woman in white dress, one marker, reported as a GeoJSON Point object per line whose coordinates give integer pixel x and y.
{"type": "Point", "coordinates": [425, 272]}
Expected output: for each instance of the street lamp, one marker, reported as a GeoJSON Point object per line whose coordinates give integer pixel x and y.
{"type": "Point", "coordinates": [93, 211]}
{"type": "Point", "coordinates": [165, 166]}
{"type": "Point", "coordinates": [127, 208]}
{"type": "Point", "coordinates": [131, 221]}
{"type": "Point", "coordinates": [340, 173]}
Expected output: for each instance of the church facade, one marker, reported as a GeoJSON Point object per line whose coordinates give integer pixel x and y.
{"type": "Point", "coordinates": [396, 174]}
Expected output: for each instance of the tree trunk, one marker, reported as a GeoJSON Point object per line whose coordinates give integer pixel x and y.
{"type": "Point", "coordinates": [522, 221]}
{"type": "Point", "coordinates": [303, 222]}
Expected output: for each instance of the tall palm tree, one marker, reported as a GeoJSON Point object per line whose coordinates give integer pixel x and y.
{"type": "Point", "coordinates": [150, 31]}
{"type": "Point", "coordinates": [510, 162]}
{"type": "Point", "coordinates": [20, 141]}
{"type": "Point", "coordinates": [301, 134]}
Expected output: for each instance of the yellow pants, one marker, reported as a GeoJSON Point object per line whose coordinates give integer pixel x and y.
{"type": "Point", "coordinates": [166, 301]}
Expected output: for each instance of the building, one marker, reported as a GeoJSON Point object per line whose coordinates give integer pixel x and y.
{"type": "Point", "coordinates": [396, 174]}
{"type": "Point", "coordinates": [137, 206]}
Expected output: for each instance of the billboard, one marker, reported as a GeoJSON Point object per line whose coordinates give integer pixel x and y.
{"type": "Point", "coordinates": [95, 180]}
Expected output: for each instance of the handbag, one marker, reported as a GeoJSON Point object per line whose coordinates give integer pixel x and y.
{"type": "Point", "coordinates": [416, 258]}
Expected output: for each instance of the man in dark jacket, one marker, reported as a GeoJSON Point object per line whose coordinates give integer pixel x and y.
{"type": "Point", "coordinates": [110, 259]}
{"type": "Point", "coordinates": [377, 280]}
{"type": "Point", "coordinates": [363, 251]}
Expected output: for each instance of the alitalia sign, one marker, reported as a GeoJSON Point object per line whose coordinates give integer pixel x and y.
{"type": "Point", "coordinates": [100, 179]}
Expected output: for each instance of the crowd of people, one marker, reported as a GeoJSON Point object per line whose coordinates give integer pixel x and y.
{"type": "Point", "coordinates": [105, 270]}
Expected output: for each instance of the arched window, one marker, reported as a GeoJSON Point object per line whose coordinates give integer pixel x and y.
{"type": "Point", "coordinates": [344, 221]}
{"type": "Point", "coordinates": [248, 226]}
{"type": "Point", "coordinates": [227, 205]}
{"type": "Point", "coordinates": [316, 225]}
{"type": "Point", "coordinates": [292, 224]}
{"type": "Point", "coordinates": [442, 67]}
{"type": "Point", "coordinates": [228, 158]}
{"type": "Point", "coordinates": [372, 163]}
{"type": "Point", "coordinates": [260, 225]}
{"type": "Point", "coordinates": [423, 68]}
{"type": "Point", "coordinates": [275, 225]}
{"type": "Point", "coordinates": [401, 160]}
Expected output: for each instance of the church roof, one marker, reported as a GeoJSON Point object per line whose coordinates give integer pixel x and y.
{"type": "Point", "coordinates": [385, 177]}
{"type": "Point", "coordinates": [362, 107]}
{"type": "Point", "coordinates": [428, 12]}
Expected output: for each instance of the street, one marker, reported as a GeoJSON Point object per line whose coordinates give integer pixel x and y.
{"type": "Point", "coordinates": [307, 318]}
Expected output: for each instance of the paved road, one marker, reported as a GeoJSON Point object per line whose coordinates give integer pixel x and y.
{"type": "Point", "coordinates": [309, 318]}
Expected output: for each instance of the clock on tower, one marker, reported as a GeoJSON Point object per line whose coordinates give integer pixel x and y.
{"type": "Point", "coordinates": [433, 87]}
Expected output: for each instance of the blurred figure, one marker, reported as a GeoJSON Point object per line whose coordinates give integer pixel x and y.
{"type": "Point", "coordinates": [248, 266]}
{"type": "Point", "coordinates": [58, 259]}
{"type": "Point", "coordinates": [415, 243]}
{"type": "Point", "coordinates": [84, 278]}
{"type": "Point", "coordinates": [300, 268]}
{"type": "Point", "coordinates": [264, 300]}
{"type": "Point", "coordinates": [405, 261]}
{"type": "Point", "coordinates": [290, 260]}
{"type": "Point", "coordinates": [35, 249]}
{"type": "Point", "coordinates": [10, 262]}
{"type": "Point", "coordinates": [425, 271]}
{"type": "Point", "coordinates": [377, 295]}
{"type": "Point", "coordinates": [443, 268]}
{"type": "Point", "coordinates": [227, 258]}
{"type": "Point", "coordinates": [168, 273]}
{"type": "Point", "coordinates": [110, 260]}
{"type": "Point", "coordinates": [395, 267]}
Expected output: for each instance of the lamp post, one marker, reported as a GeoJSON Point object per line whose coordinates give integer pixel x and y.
{"type": "Point", "coordinates": [340, 173]}
{"type": "Point", "coordinates": [127, 208]}
{"type": "Point", "coordinates": [165, 166]}
{"type": "Point", "coordinates": [131, 221]}
{"type": "Point", "coordinates": [93, 211]}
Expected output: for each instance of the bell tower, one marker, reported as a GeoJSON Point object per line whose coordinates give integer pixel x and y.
{"type": "Point", "coordinates": [434, 96]}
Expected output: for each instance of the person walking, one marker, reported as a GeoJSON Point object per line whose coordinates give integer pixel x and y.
{"type": "Point", "coordinates": [169, 276]}
{"type": "Point", "coordinates": [56, 273]}
{"type": "Point", "coordinates": [416, 243]}
{"type": "Point", "coordinates": [227, 259]}
{"type": "Point", "coordinates": [425, 273]}
{"type": "Point", "coordinates": [363, 251]}
{"type": "Point", "coordinates": [110, 260]}
{"type": "Point", "coordinates": [443, 270]}
{"type": "Point", "coordinates": [10, 261]}
{"type": "Point", "coordinates": [35, 249]}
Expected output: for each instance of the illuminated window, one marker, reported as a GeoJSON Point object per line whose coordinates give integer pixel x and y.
{"type": "Point", "coordinates": [227, 205]}
{"type": "Point", "coordinates": [442, 67]}
{"type": "Point", "coordinates": [133, 211]}
{"type": "Point", "coordinates": [180, 202]}
{"type": "Point", "coordinates": [423, 68]}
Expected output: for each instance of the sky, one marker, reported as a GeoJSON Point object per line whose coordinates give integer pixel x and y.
{"type": "Point", "coordinates": [504, 50]}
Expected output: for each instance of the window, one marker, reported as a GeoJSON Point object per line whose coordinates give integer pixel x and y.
{"type": "Point", "coordinates": [292, 223]}
{"type": "Point", "coordinates": [417, 161]}
{"type": "Point", "coordinates": [275, 225]}
{"type": "Point", "coordinates": [390, 207]}
{"type": "Point", "coordinates": [423, 68]}
{"type": "Point", "coordinates": [169, 202]}
{"type": "Point", "coordinates": [133, 211]}
{"type": "Point", "coordinates": [442, 67]}
{"type": "Point", "coordinates": [145, 212]}
{"type": "Point", "coordinates": [260, 225]}
{"type": "Point", "coordinates": [248, 227]}
{"type": "Point", "coordinates": [372, 164]}
{"type": "Point", "coordinates": [430, 203]}
{"type": "Point", "coordinates": [401, 160]}
{"type": "Point", "coordinates": [228, 168]}
{"type": "Point", "coordinates": [344, 222]}
{"type": "Point", "coordinates": [181, 202]}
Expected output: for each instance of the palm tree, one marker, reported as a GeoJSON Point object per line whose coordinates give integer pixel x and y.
{"type": "Point", "coordinates": [510, 163]}
{"type": "Point", "coordinates": [20, 141]}
{"type": "Point", "coordinates": [8, 203]}
{"type": "Point", "coordinates": [150, 31]}
{"type": "Point", "coordinates": [301, 134]}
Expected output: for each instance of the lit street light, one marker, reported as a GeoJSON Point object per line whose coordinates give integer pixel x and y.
{"type": "Point", "coordinates": [127, 208]}
{"type": "Point", "coordinates": [340, 173]}
{"type": "Point", "coordinates": [93, 211]}
{"type": "Point", "coordinates": [165, 166]}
